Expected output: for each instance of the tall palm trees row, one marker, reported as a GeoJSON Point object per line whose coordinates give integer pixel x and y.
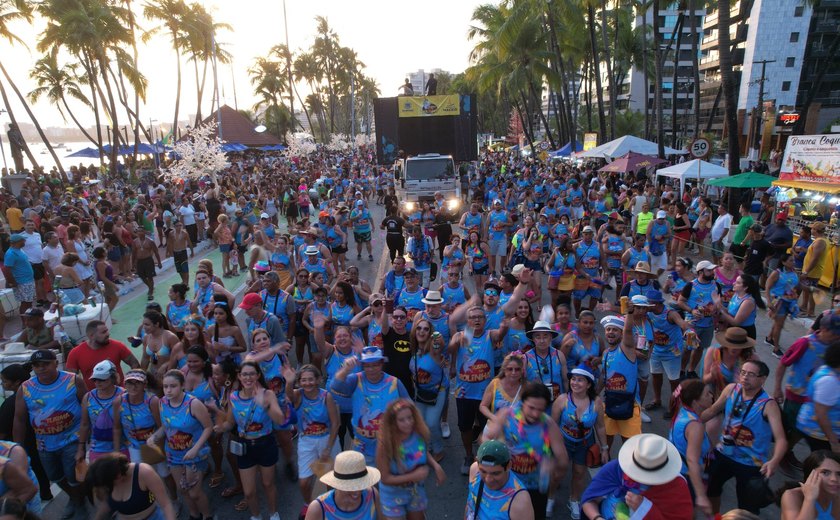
{"type": "Point", "coordinates": [574, 48]}
{"type": "Point", "coordinates": [340, 92]}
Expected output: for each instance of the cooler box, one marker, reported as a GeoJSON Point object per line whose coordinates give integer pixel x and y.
{"type": "Point", "coordinates": [16, 353]}
{"type": "Point", "coordinates": [8, 302]}
{"type": "Point", "coordinates": [75, 326]}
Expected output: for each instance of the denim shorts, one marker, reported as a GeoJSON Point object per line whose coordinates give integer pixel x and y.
{"type": "Point", "coordinates": [60, 464]}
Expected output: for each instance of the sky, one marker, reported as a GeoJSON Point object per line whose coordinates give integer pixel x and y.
{"type": "Point", "coordinates": [392, 37]}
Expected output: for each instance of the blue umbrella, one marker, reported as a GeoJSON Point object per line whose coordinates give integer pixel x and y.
{"type": "Point", "coordinates": [273, 148]}
{"type": "Point", "coordinates": [85, 152]}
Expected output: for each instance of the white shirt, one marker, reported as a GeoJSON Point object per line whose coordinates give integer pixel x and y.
{"type": "Point", "coordinates": [722, 223]}
{"type": "Point", "coordinates": [32, 247]}
{"type": "Point", "coordinates": [187, 215]}
{"type": "Point", "coordinates": [52, 255]}
{"type": "Point", "coordinates": [827, 391]}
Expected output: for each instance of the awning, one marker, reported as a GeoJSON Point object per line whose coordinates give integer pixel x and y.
{"type": "Point", "coordinates": [832, 189]}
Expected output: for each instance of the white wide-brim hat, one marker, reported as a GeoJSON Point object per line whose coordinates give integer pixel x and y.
{"type": "Point", "coordinates": [650, 459]}
{"type": "Point", "coordinates": [351, 473]}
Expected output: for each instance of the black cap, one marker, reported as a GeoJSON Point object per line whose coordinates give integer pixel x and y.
{"type": "Point", "coordinates": [492, 284]}
{"type": "Point", "coordinates": [410, 270]}
{"type": "Point", "coordinates": [42, 355]}
{"type": "Point", "coordinates": [34, 312]}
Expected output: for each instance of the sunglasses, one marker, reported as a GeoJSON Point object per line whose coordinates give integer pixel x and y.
{"type": "Point", "coordinates": [491, 292]}
{"type": "Point", "coordinates": [427, 329]}
{"type": "Point", "coordinates": [399, 316]}
{"type": "Point", "coordinates": [377, 303]}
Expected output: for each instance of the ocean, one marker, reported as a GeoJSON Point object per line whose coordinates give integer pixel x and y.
{"type": "Point", "coordinates": [43, 157]}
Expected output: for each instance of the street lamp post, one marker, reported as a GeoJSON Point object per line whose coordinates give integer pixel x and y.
{"type": "Point", "coordinates": [153, 143]}
{"type": "Point", "coordinates": [3, 150]}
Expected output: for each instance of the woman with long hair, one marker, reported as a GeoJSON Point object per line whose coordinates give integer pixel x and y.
{"type": "Point", "coordinates": [725, 275]}
{"type": "Point", "coordinates": [224, 336]}
{"type": "Point", "coordinates": [563, 319]}
{"type": "Point", "coordinates": [478, 257]}
{"type": "Point", "coordinates": [253, 411]}
{"type": "Point", "coordinates": [198, 373]}
{"type": "Point", "coordinates": [178, 308]}
{"type": "Point", "coordinates": [688, 434]}
{"type": "Point", "coordinates": [782, 290]}
{"type": "Point", "coordinates": [403, 459]}
{"type": "Point", "coordinates": [186, 426]}
{"type": "Point", "coordinates": [272, 359]}
{"type": "Point", "coordinates": [317, 420]}
{"type": "Point", "coordinates": [818, 496]}
{"type": "Point", "coordinates": [193, 336]}
{"type": "Point", "coordinates": [75, 244]}
{"type": "Point", "coordinates": [129, 489]}
{"type": "Point", "coordinates": [561, 271]}
{"type": "Point", "coordinates": [741, 310]}
{"type": "Point", "coordinates": [504, 389]}
{"type": "Point", "coordinates": [73, 289]}
{"type": "Point", "coordinates": [158, 342]}
{"type": "Point", "coordinates": [105, 274]}
{"type": "Point", "coordinates": [431, 384]}
{"type": "Point", "coordinates": [682, 231]}
{"type": "Point", "coordinates": [282, 260]}
{"type": "Point", "coordinates": [344, 306]}
{"type": "Point", "coordinates": [580, 414]}
{"type": "Point", "coordinates": [677, 279]}
{"type": "Point", "coordinates": [97, 425]}
{"type": "Point", "coordinates": [517, 337]}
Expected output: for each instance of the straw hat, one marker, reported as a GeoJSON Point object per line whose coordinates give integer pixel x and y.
{"type": "Point", "coordinates": [644, 268]}
{"type": "Point", "coordinates": [352, 474]}
{"type": "Point", "coordinates": [649, 459]}
{"type": "Point", "coordinates": [541, 326]}
{"type": "Point", "coordinates": [432, 298]}
{"type": "Point", "coordinates": [734, 337]}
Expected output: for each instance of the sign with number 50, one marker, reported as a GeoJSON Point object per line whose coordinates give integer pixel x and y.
{"type": "Point", "coordinates": [700, 148]}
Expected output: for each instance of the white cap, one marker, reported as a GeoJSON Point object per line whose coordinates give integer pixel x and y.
{"type": "Point", "coordinates": [588, 229]}
{"type": "Point", "coordinates": [264, 215]}
{"type": "Point", "coordinates": [103, 370]}
{"type": "Point", "coordinates": [704, 264]}
{"type": "Point", "coordinates": [661, 214]}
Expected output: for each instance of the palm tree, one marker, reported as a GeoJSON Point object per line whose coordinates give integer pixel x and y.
{"type": "Point", "coordinates": [657, 67]}
{"type": "Point", "coordinates": [596, 68]}
{"type": "Point", "coordinates": [57, 83]}
{"type": "Point", "coordinates": [730, 101]}
{"type": "Point", "coordinates": [171, 14]}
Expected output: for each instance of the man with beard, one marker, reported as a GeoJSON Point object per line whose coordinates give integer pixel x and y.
{"type": "Point", "coordinates": [535, 443]}
{"type": "Point", "coordinates": [99, 347]}
{"type": "Point", "coordinates": [668, 343]}
{"type": "Point", "coordinates": [278, 302]}
{"type": "Point", "coordinates": [612, 248]}
{"type": "Point", "coordinates": [752, 422]}
{"type": "Point", "coordinates": [699, 299]}
{"type": "Point", "coordinates": [619, 367]}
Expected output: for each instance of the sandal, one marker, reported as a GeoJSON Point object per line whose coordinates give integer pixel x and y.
{"type": "Point", "coordinates": [242, 505]}
{"type": "Point", "coordinates": [653, 406]}
{"type": "Point", "coordinates": [231, 491]}
{"type": "Point", "coordinates": [216, 480]}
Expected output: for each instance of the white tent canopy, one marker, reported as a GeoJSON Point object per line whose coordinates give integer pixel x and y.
{"type": "Point", "coordinates": [628, 143]}
{"type": "Point", "coordinates": [692, 170]}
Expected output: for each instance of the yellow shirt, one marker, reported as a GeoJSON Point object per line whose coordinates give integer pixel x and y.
{"type": "Point", "coordinates": [817, 270]}
{"type": "Point", "coordinates": [642, 221]}
{"type": "Point", "coordinates": [15, 218]}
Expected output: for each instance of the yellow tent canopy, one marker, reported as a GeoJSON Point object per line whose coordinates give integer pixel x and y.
{"type": "Point", "coordinates": [821, 187]}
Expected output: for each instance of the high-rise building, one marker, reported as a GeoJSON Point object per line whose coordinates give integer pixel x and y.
{"type": "Point", "coordinates": [825, 100]}
{"type": "Point", "coordinates": [419, 78]}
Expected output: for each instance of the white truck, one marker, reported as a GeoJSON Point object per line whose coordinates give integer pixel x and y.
{"type": "Point", "coordinates": [419, 177]}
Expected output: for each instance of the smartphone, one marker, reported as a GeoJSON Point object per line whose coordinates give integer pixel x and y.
{"type": "Point", "coordinates": [389, 306]}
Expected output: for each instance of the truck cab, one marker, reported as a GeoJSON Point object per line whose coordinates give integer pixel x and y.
{"type": "Point", "coordinates": [419, 177]}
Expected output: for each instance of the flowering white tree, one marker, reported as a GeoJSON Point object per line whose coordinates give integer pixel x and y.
{"type": "Point", "coordinates": [338, 143]}
{"type": "Point", "coordinates": [363, 140]}
{"type": "Point", "coordinates": [300, 144]}
{"type": "Point", "coordinates": [199, 155]}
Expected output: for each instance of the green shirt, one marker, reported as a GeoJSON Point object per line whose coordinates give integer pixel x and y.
{"type": "Point", "coordinates": [743, 227]}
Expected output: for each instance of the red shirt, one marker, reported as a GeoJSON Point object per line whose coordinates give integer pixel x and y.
{"type": "Point", "coordinates": [83, 359]}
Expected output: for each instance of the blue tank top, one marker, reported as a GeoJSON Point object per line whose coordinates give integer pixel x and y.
{"type": "Point", "coordinates": [137, 420]}
{"type": "Point", "coordinates": [313, 416]}
{"type": "Point", "coordinates": [582, 356]}
{"type": "Point", "coordinates": [203, 392]}
{"type": "Point", "coordinates": [279, 259]}
{"type": "Point", "coordinates": [528, 444]}
{"type": "Point", "coordinates": [6, 448]}
{"type": "Point", "coordinates": [615, 248]}
{"type": "Point", "coordinates": [701, 298]}
{"type": "Point", "coordinates": [824, 514]}
{"type": "Point", "coordinates": [252, 421]}
{"type": "Point", "coordinates": [657, 247]}
{"type": "Point", "coordinates": [334, 239]}
{"type": "Point", "coordinates": [515, 339]}
{"type": "Point", "coordinates": [637, 256]}
{"type": "Point", "coordinates": [428, 375]}
{"type": "Point", "coordinates": [276, 305]}
{"type": "Point", "coordinates": [176, 314]}
{"type": "Point", "coordinates": [498, 221]}
{"type": "Point", "coordinates": [369, 403]}
{"type": "Point", "coordinates": [365, 511]}
{"type": "Point", "coordinates": [412, 454]}
{"type": "Point", "coordinates": [500, 399]}
{"type": "Point", "coordinates": [182, 431]}
{"type": "Point", "coordinates": [320, 266]}
{"type": "Point", "coordinates": [375, 333]}
{"type": "Point", "coordinates": [800, 372]}
{"type": "Point", "coordinates": [478, 258]}
{"type": "Point", "coordinates": [475, 367]}
{"type": "Point", "coordinates": [341, 314]}
{"type": "Point", "coordinates": [472, 222]}
{"type": "Point", "coordinates": [785, 286]}
{"type": "Point", "coordinates": [806, 421]}
{"type": "Point", "coordinates": [101, 416]}
{"type": "Point", "coordinates": [578, 429]}
{"type": "Point", "coordinates": [667, 337]}
{"type": "Point", "coordinates": [620, 374]}
{"type": "Point", "coordinates": [54, 411]}
{"type": "Point", "coordinates": [750, 430]}
{"type": "Point", "coordinates": [457, 256]}
{"type": "Point", "coordinates": [735, 304]}
{"type": "Point", "coordinates": [412, 301]}
{"type": "Point", "coordinates": [589, 256]}
{"type": "Point", "coordinates": [333, 365]}
{"type": "Point", "coordinates": [440, 324]}
{"type": "Point", "coordinates": [563, 265]}
{"type": "Point", "coordinates": [677, 436]}
{"type": "Point", "coordinates": [453, 296]}
{"type": "Point", "coordinates": [547, 370]}
{"type": "Point", "coordinates": [495, 504]}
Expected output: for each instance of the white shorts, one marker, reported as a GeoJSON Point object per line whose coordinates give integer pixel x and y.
{"type": "Point", "coordinates": [670, 366]}
{"type": "Point", "coordinates": [659, 262]}
{"type": "Point", "coordinates": [498, 247]}
{"type": "Point", "coordinates": [309, 450]}
{"type": "Point", "coordinates": [161, 467]}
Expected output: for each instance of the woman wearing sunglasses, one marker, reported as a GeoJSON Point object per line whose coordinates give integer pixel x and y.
{"type": "Point", "coordinates": [431, 384]}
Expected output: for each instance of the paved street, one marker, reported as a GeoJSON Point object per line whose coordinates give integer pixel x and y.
{"type": "Point", "coordinates": [446, 501]}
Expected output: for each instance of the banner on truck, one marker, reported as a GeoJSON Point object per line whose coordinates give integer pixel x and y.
{"type": "Point", "coordinates": [812, 158]}
{"type": "Point", "coordinates": [590, 141]}
{"type": "Point", "coordinates": [428, 106]}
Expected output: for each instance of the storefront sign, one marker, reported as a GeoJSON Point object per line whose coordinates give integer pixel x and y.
{"type": "Point", "coordinates": [812, 158]}
{"type": "Point", "coordinates": [590, 141]}
{"type": "Point", "coordinates": [427, 106]}
{"type": "Point", "coordinates": [787, 118]}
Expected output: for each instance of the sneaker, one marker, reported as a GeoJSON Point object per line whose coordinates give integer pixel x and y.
{"type": "Point", "coordinates": [549, 507]}
{"type": "Point", "coordinates": [645, 417]}
{"type": "Point", "coordinates": [465, 467]}
{"type": "Point", "coordinates": [769, 342]}
{"type": "Point", "coordinates": [445, 431]}
{"type": "Point", "coordinates": [778, 353]}
{"type": "Point", "coordinates": [574, 509]}
{"type": "Point", "coordinates": [359, 256]}
{"type": "Point", "coordinates": [370, 258]}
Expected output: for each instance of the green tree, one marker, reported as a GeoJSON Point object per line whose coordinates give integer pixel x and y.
{"type": "Point", "coordinates": [57, 83]}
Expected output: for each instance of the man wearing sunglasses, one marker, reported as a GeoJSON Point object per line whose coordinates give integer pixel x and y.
{"type": "Point", "coordinates": [752, 421]}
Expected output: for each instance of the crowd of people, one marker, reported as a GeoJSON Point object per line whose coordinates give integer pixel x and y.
{"type": "Point", "coordinates": [349, 382]}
